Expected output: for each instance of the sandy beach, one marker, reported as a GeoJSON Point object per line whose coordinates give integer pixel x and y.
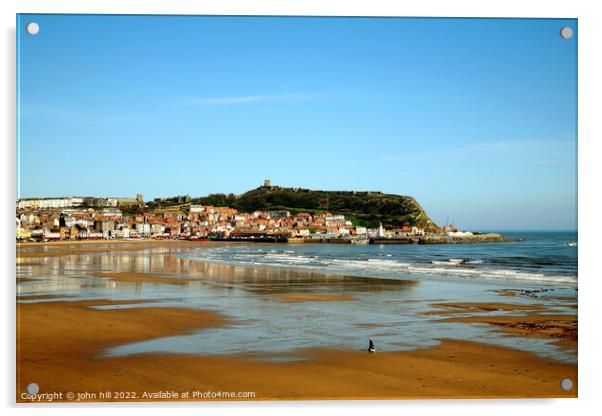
{"type": "Point", "coordinates": [141, 278]}
{"type": "Point", "coordinates": [62, 339]}
{"type": "Point", "coordinates": [61, 248]}
{"type": "Point", "coordinates": [71, 362]}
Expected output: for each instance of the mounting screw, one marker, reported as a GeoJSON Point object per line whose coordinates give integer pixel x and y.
{"type": "Point", "coordinates": [566, 32]}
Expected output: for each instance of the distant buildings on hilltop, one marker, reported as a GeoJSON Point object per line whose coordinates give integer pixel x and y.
{"type": "Point", "coordinates": [73, 219]}
{"type": "Point", "coordinates": [76, 202]}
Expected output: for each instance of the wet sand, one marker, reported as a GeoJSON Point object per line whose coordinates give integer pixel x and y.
{"type": "Point", "coordinates": [60, 344]}
{"type": "Point", "coordinates": [42, 297]}
{"type": "Point", "coordinates": [562, 328]}
{"type": "Point", "coordinates": [313, 297]}
{"type": "Point", "coordinates": [142, 278]}
{"type": "Point", "coordinates": [63, 248]}
{"type": "Point", "coordinates": [101, 242]}
{"type": "Point", "coordinates": [25, 279]}
{"type": "Point", "coordinates": [538, 322]}
{"type": "Point", "coordinates": [465, 307]}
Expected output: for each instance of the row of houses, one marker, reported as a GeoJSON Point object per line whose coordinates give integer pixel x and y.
{"type": "Point", "coordinates": [78, 201]}
{"type": "Point", "coordinates": [197, 221]}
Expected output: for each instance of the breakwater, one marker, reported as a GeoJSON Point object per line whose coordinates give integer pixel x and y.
{"type": "Point", "coordinates": [465, 239]}
{"type": "Point", "coordinates": [383, 240]}
{"type": "Point", "coordinates": [430, 239]}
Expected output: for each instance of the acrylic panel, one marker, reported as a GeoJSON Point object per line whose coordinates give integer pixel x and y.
{"type": "Point", "coordinates": [301, 208]}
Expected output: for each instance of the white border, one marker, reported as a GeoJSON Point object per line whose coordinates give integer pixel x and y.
{"type": "Point", "coordinates": [590, 135]}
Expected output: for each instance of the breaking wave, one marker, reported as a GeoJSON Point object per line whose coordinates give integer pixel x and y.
{"type": "Point", "coordinates": [400, 263]}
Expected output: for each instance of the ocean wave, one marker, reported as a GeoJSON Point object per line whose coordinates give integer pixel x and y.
{"type": "Point", "coordinates": [456, 262]}
{"type": "Point", "coordinates": [368, 264]}
{"type": "Point", "coordinates": [386, 267]}
{"type": "Point", "coordinates": [484, 273]}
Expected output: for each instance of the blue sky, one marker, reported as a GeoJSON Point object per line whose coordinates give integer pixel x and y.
{"type": "Point", "coordinates": [476, 118]}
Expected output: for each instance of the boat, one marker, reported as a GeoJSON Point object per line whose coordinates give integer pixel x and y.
{"type": "Point", "coordinates": [360, 241]}
{"type": "Point", "coordinates": [296, 240]}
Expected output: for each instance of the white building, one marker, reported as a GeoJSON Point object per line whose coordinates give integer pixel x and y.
{"type": "Point", "coordinates": [111, 212]}
{"type": "Point", "coordinates": [334, 220]}
{"type": "Point", "coordinates": [417, 231]}
{"type": "Point", "coordinates": [459, 234]}
{"type": "Point", "coordinates": [157, 229]}
{"type": "Point", "coordinates": [361, 230]}
{"type": "Point", "coordinates": [196, 208]}
{"type": "Point", "coordinates": [47, 203]}
{"type": "Point", "coordinates": [303, 232]}
{"type": "Point", "coordinates": [143, 229]}
{"type": "Point", "coordinates": [72, 222]}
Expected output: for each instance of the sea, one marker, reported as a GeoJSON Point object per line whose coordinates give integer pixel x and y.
{"type": "Point", "coordinates": [538, 257]}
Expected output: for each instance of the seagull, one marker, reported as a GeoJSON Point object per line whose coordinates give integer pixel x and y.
{"type": "Point", "coordinates": [371, 347]}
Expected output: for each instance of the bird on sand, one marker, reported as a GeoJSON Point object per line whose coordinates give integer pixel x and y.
{"type": "Point", "coordinates": [371, 346]}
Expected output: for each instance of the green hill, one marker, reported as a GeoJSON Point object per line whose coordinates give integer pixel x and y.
{"type": "Point", "coordinates": [362, 208]}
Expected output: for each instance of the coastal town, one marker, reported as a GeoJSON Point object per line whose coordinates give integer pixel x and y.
{"type": "Point", "coordinates": [90, 218]}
